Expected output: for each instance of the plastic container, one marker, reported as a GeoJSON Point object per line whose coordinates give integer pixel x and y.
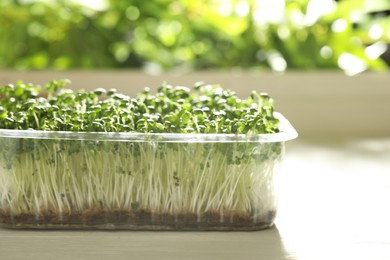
{"type": "Point", "coordinates": [74, 180]}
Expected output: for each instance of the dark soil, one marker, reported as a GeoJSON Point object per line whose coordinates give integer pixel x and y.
{"type": "Point", "coordinates": [135, 220]}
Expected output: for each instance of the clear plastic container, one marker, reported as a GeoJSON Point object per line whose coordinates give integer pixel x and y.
{"type": "Point", "coordinates": [74, 180]}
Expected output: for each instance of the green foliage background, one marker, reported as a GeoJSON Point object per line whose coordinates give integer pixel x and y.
{"type": "Point", "coordinates": [187, 34]}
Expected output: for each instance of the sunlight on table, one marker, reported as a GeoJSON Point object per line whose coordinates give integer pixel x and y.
{"type": "Point", "coordinates": [334, 201]}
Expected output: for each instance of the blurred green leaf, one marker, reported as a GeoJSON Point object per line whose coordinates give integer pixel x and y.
{"type": "Point", "coordinates": [168, 34]}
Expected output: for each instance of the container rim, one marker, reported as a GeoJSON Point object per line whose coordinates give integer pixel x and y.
{"type": "Point", "coordinates": [287, 132]}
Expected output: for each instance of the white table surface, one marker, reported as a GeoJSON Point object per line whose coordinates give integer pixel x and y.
{"type": "Point", "coordinates": [334, 204]}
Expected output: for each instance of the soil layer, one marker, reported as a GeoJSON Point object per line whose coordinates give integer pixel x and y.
{"type": "Point", "coordinates": [135, 220]}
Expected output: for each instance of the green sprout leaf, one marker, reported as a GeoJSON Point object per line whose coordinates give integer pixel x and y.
{"type": "Point", "coordinates": [210, 109]}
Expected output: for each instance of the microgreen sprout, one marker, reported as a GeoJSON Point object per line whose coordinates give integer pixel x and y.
{"type": "Point", "coordinates": [42, 177]}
